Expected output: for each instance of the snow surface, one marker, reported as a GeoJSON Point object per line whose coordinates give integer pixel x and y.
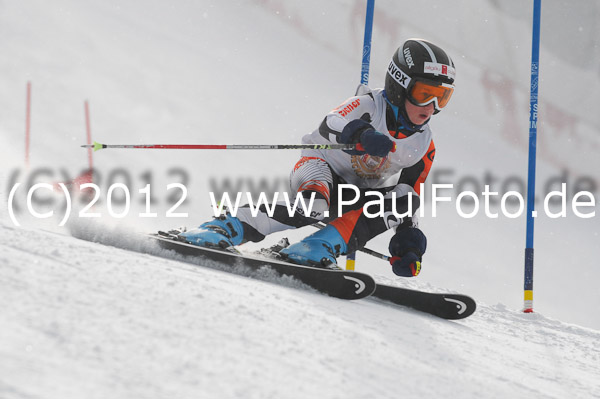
{"type": "Point", "coordinates": [93, 321]}
{"type": "Point", "coordinates": [79, 319]}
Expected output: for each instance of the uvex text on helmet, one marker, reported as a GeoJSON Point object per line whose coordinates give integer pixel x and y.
{"type": "Point", "coordinates": [417, 58]}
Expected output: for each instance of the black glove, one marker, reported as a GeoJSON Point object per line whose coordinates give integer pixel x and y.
{"type": "Point", "coordinates": [366, 138]}
{"type": "Point", "coordinates": [407, 247]}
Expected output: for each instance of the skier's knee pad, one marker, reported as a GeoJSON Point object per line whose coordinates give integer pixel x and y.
{"type": "Point", "coordinates": [312, 174]}
{"type": "Point", "coordinates": [316, 209]}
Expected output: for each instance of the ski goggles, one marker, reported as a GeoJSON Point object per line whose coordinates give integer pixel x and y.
{"type": "Point", "coordinates": [422, 92]}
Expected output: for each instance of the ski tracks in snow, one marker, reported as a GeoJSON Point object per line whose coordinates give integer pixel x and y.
{"type": "Point", "coordinates": [94, 321]}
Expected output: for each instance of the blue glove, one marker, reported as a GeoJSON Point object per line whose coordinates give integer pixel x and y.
{"type": "Point", "coordinates": [407, 247]}
{"type": "Point", "coordinates": [408, 265]}
{"type": "Point", "coordinates": [366, 138]}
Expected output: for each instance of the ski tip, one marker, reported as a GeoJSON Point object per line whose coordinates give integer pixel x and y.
{"type": "Point", "coordinates": [464, 306]}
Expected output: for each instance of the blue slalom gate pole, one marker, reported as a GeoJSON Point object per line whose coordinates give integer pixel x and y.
{"type": "Point", "coordinates": [366, 59]}
{"type": "Point", "coordinates": [533, 118]}
{"type": "Point", "coordinates": [364, 80]}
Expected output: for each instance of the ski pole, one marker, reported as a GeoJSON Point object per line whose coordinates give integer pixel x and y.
{"type": "Point", "coordinates": [97, 146]}
{"type": "Point", "coordinates": [375, 254]}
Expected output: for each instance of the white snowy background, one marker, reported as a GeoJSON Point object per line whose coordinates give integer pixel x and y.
{"type": "Point", "coordinates": [78, 319]}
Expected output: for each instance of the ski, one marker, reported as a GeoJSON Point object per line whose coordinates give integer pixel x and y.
{"type": "Point", "coordinates": [446, 306]}
{"type": "Point", "coordinates": [342, 284]}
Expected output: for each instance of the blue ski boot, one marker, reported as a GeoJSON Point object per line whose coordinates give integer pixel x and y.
{"type": "Point", "coordinates": [222, 232]}
{"type": "Point", "coordinates": [319, 249]}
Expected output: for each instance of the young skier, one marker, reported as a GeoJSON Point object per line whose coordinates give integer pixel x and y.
{"type": "Point", "coordinates": [394, 154]}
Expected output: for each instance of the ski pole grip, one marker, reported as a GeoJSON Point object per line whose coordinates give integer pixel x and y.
{"type": "Point", "coordinates": [360, 147]}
